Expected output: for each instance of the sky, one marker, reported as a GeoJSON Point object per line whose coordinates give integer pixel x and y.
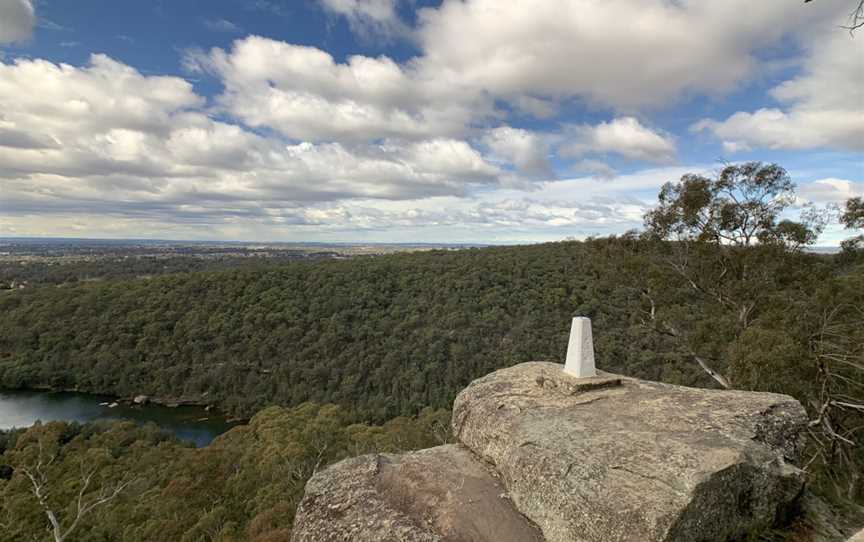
{"type": "Point", "coordinates": [462, 121]}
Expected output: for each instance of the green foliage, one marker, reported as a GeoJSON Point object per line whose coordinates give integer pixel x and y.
{"type": "Point", "coordinates": [53, 271]}
{"type": "Point", "coordinates": [853, 218]}
{"type": "Point", "coordinates": [740, 206]}
{"type": "Point", "coordinates": [787, 327]}
{"type": "Point", "coordinates": [244, 486]}
{"type": "Point", "coordinates": [853, 215]}
{"type": "Point", "coordinates": [388, 336]}
{"type": "Point", "coordinates": [391, 335]}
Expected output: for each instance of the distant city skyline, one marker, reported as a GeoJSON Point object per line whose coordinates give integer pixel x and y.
{"type": "Point", "coordinates": [410, 121]}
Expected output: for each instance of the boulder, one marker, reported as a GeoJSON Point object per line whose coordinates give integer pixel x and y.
{"type": "Point", "coordinates": [141, 400]}
{"type": "Point", "coordinates": [438, 494]}
{"type": "Point", "coordinates": [611, 458]}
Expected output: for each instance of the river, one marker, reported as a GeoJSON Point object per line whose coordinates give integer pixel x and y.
{"type": "Point", "coordinates": [191, 423]}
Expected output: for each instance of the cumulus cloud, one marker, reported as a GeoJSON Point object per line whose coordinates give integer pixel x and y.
{"type": "Point", "coordinates": [535, 57]}
{"type": "Point", "coordinates": [830, 190]}
{"type": "Point", "coordinates": [369, 18]}
{"type": "Point", "coordinates": [104, 138]}
{"type": "Point", "coordinates": [597, 168]}
{"type": "Point", "coordinates": [622, 53]}
{"type": "Point", "coordinates": [303, 93]}
{"type": "Point", "coordinates": [17, 19]}
{"type": "Point", "coordinates": [822, 107]}
{"type": "Point", "coordinates": [535, 107]}
{"type": "Point", "coordinates": [19, 139]}
{"type": "Point", "coordinates": [75, 101]}
{"type": "Point", "coordinates": [526, 150]}
{"type": "Point", "coordinates": [298, 140]}
{"type": "Point", "coordinates": [625, 136]}
{"type": "Point", "coordinates": [106, 150]}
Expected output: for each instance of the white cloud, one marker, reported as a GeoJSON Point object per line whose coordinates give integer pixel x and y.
{"type": "Point", "coordinates": [17, 19]}
{"type": "Point", "coordinates": [526, 150]}
{"type": "Point", "coordinates": [625, 136]}
{"type": "Point", "coordinates": [823, 107]}
{"type": "Point", "coordinates": [221, 25]}
{"type": "Point", "coordinates": [369, 18]}
{"type": "Point", "coordinates": [830, 190]}
{"type": "Point", "coordinates": [105, 150]}
{"type": "Point", "coordinates": [624, 54]}
{"type": "Point", "coordinates": [304, 94]}
{"type": "Point", "coordinates": [105, 139]}
{"type": "Point", "coordinates": [76, 101]}
{"type": "Point", "coordinates": [548, 211]}
{"type": "Point", "coordinates": [536, 107]}
{"type": "Point", "coordinates": [621, 53]}
{"type": "Point", "coordinates": [360, 146]}
{"type": "Point", "coordinates": [596, 167]}
{"type": "Point", "coordinates": [574, 207]}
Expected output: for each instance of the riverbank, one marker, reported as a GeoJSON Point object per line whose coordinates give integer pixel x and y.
{"type": "Point", "coordinates": [166, 401]}
{"type": "Point", "coordinates": [194, 423]}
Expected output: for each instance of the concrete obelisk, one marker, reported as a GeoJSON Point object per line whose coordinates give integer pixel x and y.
{"type": "Point", "coordinates": [580, 349]}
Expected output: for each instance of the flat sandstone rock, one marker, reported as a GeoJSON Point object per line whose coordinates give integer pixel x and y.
{"type": "Point", "coordinates": [438, 494]}
{"type": "Point", "coordinates": [619, 459]}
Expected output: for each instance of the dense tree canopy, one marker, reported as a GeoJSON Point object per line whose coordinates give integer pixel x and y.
{"type": "Point", "coordinates": [244, 486]}
{"type": "Point", "coordinates": [387, 336]}
{"type": "Point", "coordinates": [391, 335]}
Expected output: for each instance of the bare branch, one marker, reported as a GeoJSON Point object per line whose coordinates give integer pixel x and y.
{"type": "Point", "coordinates": [665, 328]}
{"type": "Point", "coordinates": [40, 486]}
{"type": "Point", "coordinates": [856, 18]}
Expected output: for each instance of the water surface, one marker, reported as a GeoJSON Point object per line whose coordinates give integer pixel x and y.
{"type": "Point", "coordinates": [23, 408]}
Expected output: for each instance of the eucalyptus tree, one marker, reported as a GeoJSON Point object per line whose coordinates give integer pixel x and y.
{"type": "Point", "coordinates": [764, 315]}
{"type": "Point", "coordinates": [853, 218]}
{"type": "Point", "coordinates": [66, 491]}
{"type": "Point", "coordinates": [726, 238]}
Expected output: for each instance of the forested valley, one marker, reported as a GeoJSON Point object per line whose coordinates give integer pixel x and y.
{"type": "Point", "coordinates": [140, 483]}
{"type": "Point", "coordinates": [385, 343]}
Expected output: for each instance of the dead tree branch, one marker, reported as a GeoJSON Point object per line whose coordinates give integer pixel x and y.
{"type": "Point", "coordinates": [40, 486]}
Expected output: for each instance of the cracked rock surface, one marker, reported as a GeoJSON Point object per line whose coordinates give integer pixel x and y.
{"type": "Point", "coordinates": [438, 494]}
{"type": "Point", "coordinates": [619, 459]}
{"type": "Point", "coordinates": [544, 456]}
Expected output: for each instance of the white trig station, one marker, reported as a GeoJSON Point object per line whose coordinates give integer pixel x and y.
{"type": "Point", "coordinates": [580, 349]}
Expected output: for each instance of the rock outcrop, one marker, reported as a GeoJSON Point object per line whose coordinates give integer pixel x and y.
{"type": "Point", "coordinates": [610, 459]}
{"type": "Point", "coordinates": [442, 493]}
{"type": "Point", "coordinates": [545, 456]}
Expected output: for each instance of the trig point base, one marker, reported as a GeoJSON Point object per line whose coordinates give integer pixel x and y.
{"type": "Point", "coordinates": [580, 350]}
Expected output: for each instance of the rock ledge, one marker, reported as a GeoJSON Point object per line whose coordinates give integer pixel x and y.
{"type": "Point", "coordinates": [546, 456]}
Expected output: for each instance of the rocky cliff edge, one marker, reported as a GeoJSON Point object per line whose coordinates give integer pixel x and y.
{"type": "Point", "coordinates": [542, 455]}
